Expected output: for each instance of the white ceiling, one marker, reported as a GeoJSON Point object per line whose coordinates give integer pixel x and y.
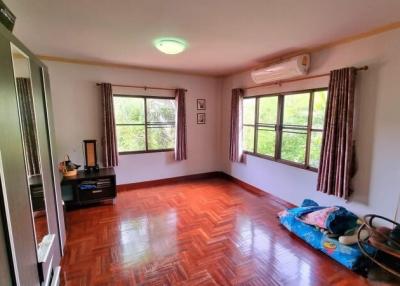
{"type": "Point", "coordinates": [223, 35]}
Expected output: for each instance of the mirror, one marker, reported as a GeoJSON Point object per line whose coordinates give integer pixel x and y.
{"type": "Point", "coordinates": [29, 133]}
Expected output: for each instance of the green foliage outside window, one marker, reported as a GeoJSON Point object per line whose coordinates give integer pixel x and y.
{"type": "Point", "coordinates": [131, 138]}
{"type": "Point", "coordinates": [129, 110]}
{"type": "Point", "coordinates": [266, 141]}
{"type": "Point", "coordinates": [268, 110]}
{"type": "Point", "coordinates": [249, 111]}
{"type": "Point", "coordinates": [320, 101]}
{"type": "Point", "coordinates": [294, 147]}
{"type": "Point", "coordinates": [315, 148]}
{"type": "Point", "coordinates": [295, 110]}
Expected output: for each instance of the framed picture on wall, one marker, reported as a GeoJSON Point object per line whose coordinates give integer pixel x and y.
{"type": "Point", "coordinates": [201, 104]}
{"type": "Point", "coordinates": [201, 118]}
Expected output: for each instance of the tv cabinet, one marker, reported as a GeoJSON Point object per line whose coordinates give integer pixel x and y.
{"type": "Point", "coordinates": [86, 188]}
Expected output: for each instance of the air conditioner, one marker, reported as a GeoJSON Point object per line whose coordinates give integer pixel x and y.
{"type": "Point", "coordinates": [286, 69]}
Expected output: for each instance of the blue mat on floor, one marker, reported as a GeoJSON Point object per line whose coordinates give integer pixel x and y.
{"type": "Point", "coordinates": [348, 255]}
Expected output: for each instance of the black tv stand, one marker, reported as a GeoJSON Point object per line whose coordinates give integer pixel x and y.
{"type": "Point", "coordinates": [89, 187]}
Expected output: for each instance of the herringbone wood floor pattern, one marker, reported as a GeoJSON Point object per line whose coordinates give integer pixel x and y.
{"type": "Point", "coordinates": [202, 232]}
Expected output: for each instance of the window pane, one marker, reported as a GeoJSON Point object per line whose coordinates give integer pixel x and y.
{"type": "Point", "coordinates": [248, 138]}
{"type": "Point", "coordinates": [131, 138]}
{"type": "Point", "coordinates": [161, 137]}
{"type": "Point", "coordinates": [315, 149]}
{"type": "Point", "coordinates": [129, 110]}
{"type": "Point", "coordinates": [268, 110]}
{"type": "Point", "coordinates": [266, 141]}
{"type": "Point", "coordinates": [249, 110]}
{"type": "Point", "coordinates": [160, 110]}
{"type": "Point", "coordinates": [296, 107]}
{"type": "Point", "coordinates": [294, 146]}
{"type": "Point", "coordinates": [319, 106]}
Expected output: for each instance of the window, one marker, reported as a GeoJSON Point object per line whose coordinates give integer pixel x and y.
{"type": "Point", "coordinates": [285, 127]}
{"type": "Point", "coordinates": [144, 124]}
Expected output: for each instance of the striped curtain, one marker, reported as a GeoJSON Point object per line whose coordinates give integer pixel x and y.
{"type": "Point", "coordinates": [109, 141]}
{"type": "Point", "coordinates": [336, 159]}
{"type": "Point", "coordinates": [180, 136]}
{"type": "Point", "coordinates": [28, 125]}
{"type": "Point", "coordinates": [235, 148]}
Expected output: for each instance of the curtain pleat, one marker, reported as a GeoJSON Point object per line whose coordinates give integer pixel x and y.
{"type": "Point", "coordinates": [337, 143]}
{"type": "Point", "coordinates": [180, 136]}
{"type": "Point", "coordinates": [110, 152]}
{"type": "Point", "coordinates": [28, 125]}
{"type": "Point", "coordinates": [235, 147]}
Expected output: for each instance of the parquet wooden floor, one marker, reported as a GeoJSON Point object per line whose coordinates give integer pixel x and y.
{"type": "Point", "coordinates": [201, 232]}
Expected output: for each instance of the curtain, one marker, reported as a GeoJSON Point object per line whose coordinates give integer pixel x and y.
{"type": "Point", "coordinates": [28, 125]}
{"type": "Point", "coordinates": [235, 148]}
{"type": "Point", "coordinates": [109, 141]}
{"type": "Point", "coordinates": [337, 143]}
{"type": "Point", "coordinates": [180, 137]}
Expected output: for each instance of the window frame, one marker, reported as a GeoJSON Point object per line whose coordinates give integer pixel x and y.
{"type": "Point", "coordinates": [144, 97]}
{"type": "Point", "coordinates": [279, 127]}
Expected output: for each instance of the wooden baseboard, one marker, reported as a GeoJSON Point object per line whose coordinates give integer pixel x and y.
{"type": "Point", "coordinates": [248, 187]}
{"type": "Point", "coordinates": [166, 181]}
{"type": "Point", "coordinates": [244, 185]}
{"type": "Point", "coordinates": [257, 191]}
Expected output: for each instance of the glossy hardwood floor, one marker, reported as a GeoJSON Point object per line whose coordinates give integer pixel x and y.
{"type": "Point", "coordinates": [202, 232]}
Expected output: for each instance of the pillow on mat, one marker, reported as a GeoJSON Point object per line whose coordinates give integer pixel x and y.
{"type": "Point", "coordinates": [318, 218]}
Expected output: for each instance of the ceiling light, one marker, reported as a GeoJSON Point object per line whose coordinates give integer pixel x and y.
{"type": "Point", "coordinates": [170, 46]}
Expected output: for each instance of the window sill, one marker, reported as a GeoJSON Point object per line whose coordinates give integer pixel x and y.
{"type": "Point", "coordinates": [144, 152]}
{"type": "Point", "coordinates": [285, 162]}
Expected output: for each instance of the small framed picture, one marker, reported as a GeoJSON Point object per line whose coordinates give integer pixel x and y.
{"type": "Point", "coordinates": [201, 118]}
{"type": "Point", "coordinates": [201, 104]}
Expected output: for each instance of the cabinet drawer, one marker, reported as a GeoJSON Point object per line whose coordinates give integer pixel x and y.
{"type": "Point", "coordinates": [96, 194]}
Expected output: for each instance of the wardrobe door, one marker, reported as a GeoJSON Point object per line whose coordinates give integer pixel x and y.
{"type": "Point", "coordinates": [45, 157]}
{"type": "Point", "coordinates": [16, 204]}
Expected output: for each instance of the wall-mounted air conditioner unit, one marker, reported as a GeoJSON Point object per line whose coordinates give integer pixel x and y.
{"type": "Point", "coordinates": [286, 69]}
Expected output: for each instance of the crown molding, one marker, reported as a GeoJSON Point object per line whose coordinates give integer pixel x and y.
{"type": "Point", "coordinates": [117, 65]}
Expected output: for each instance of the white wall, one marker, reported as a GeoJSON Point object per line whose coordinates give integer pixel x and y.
{"type": "Point", "coordinates": [377, 183]}
{"type": "Point", "coordinates": [77, 116]}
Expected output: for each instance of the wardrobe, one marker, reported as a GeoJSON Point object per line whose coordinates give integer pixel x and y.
{"type": "Point", "coordinates": [32, 230]}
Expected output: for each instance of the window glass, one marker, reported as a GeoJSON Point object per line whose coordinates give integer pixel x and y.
{"type": "Point", "coordinates": [266, 141]}
{"type": "Point", "coordinates": [315, 148]}
{"type": "Point", "coordinates": [296, 108]}
{"type": "Point", "coordinates": [248, 138]}
{"type": "Point", "coordinates": [161, 137]}
{"type": "Point", "coordinates": [292, 130]}
{"type": "Point", "coordinates": [131, 138]}
{"type": "Point", "coordinates": [268, 110]}
{"type": "Point", "coordinates": [319, 106]}
{"type": "Point", "coordinates": [129, 110]}
{"type": "Point", "coordinates": [249, 110]}
{"type": "Point", "coordinates": [160, 110]}
{"type": "Point", "coordinates": [134, 134]}
{"type": "Point", "coordinates": [294, 146]}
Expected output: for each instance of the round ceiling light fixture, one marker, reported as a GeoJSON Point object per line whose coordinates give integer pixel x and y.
{"type": "Point", "coordinates": [170, 46]}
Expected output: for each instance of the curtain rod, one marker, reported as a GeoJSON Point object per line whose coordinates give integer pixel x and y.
{"type": "Point", "coordinates": [364, 68]}
{"type": "Point", "coordinates": [142, 86]}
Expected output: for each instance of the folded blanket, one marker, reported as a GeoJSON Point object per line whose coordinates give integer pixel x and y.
{"type": "Point", "coordinates": [335, 219]}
